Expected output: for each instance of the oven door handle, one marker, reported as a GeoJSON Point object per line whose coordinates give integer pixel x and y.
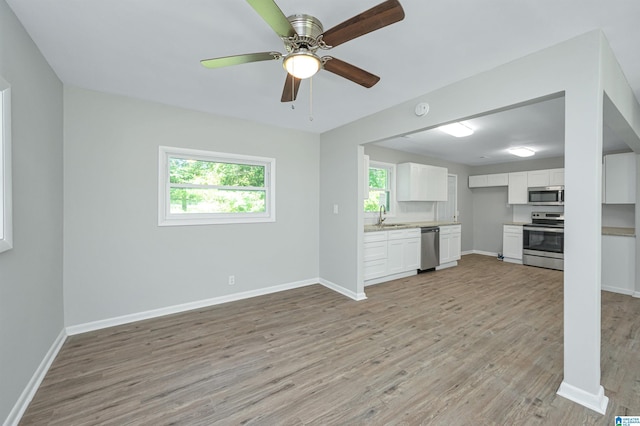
{"type": "Point", "coordinates": [533, 228]}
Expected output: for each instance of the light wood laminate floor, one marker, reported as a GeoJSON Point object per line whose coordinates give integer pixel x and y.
{"type": "Point", "coordinates": [478, 344]}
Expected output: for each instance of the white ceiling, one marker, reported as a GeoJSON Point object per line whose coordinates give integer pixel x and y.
{"type": "Point", "coordinates": [150, 49]}
{"type": "Point", "coordinates": [538, 126]}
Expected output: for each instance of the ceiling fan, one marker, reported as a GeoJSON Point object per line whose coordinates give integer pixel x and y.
{"type": "Point", "coordinates": [303, 35]}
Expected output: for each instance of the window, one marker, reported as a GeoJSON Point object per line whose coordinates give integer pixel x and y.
{"type": "Point", "coordinates": [202, 187]}
{"type": "Point", "coordinates": [381, 182]}
{"type": "Point", "coordinates": [6, 234]}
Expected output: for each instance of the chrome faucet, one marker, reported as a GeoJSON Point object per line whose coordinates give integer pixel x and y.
{"type": "Point", "coordinates": [380, 218]}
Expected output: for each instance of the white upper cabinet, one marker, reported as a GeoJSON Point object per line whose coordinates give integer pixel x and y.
{"type": "Point", "coordinates": [538, 178]}
{"type": "Point", "coordinates": [620, 178]}
{"type": "Point", "coordinates": [484, 181]}
{"type": "Point", "coordinates": [479, 181]}
{"type": "Point", "coordinates": [551, 177]}
{"type": "Point", "coordinates": [517, 188]}
{"type": "Point", "coordinates": [556, 177]}
{"type": "Point", "coordinates": [498, 179]}
{"type": "Point", "coordinates": [420, 182]}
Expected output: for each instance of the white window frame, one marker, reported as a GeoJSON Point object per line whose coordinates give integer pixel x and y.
{"type": "Point", "coordinates": [6, 218]}
{"type": "Point", "coordinates": [392, 187]}
{"type": "Point", "coordinates": [165, 218]}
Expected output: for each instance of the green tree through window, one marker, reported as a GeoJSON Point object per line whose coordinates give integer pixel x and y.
{"type": "Point", "coordinates": [379, 194]}
{"type": "Point", "coordinates": [198, 186]}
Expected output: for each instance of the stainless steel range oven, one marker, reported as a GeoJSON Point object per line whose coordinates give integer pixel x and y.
{"type": "Point", "coordinates": [543, 241]}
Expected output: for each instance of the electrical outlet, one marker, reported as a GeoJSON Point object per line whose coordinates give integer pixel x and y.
{"type": "Point", "coordinates": [232, 279]}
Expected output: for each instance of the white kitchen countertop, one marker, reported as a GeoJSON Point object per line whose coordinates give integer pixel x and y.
{"type": "Point", "coordinates": [620, 232]}
{"type": "Point", "coordinates": [606, 230]}
{"type": "Point", "coordinates": [407, 225]}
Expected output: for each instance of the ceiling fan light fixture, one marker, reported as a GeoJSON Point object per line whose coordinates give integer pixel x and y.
{"type": "Point", "coordinates": [302, 64]}
{"type": "Point", "coordinates": [521, 151]}
{"type": "Point", "coordinates": [458, 130]}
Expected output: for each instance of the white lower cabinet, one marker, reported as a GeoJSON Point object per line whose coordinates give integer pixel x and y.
{"type": "Point", "coordinates": [512, 243]}
{"type": "Point", "coordinates": [395, 254]}
{"type": "Point", "coordinates": [375, 269]}
{"type": "Point", "coordinates": [411, 254]}
{"type": "Point", "coordinates": [388, 254]}
{"type": "Point", "coordinates": [375, 254]}
{"type": "Point", "coordinates": [450, 245]}
{"type": "Point", "coordinates": [618, 264]}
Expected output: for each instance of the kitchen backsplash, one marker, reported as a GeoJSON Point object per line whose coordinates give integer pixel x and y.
{"type": "Point", "coordinates": [414, 211]}
{"type": "Point", "coordinates": [619, 215]}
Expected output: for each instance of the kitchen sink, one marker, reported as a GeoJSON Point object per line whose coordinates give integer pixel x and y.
{"type": "Point", "coordinates": [393, 225]}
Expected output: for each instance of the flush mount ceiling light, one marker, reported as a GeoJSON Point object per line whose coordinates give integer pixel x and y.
{"type": "Point", "coordinates": [521, 151]}
{"type": "Point", "coordinates": [458, 130]}
{"type": "Point", "coordinates": [301, 64]}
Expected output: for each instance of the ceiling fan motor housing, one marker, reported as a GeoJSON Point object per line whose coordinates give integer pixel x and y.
{"type": "Point", "coordinates": [308, 29]}
{"type": "Point", "coordinates": [302, 36]}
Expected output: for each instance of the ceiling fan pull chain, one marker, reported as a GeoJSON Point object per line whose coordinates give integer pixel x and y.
{"type": "Point", "coordinates": [293, 91]}
{"type": "Point", "coordinates": [311, 99]}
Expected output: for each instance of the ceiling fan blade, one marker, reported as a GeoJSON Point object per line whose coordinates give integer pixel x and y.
{"type": "Point", "coordinates": [290, 91]}
{"type": "Point", "coordinates": [370, 20]}
{"type": "Point", "coordinates": [272, 15]}
{"type": "Point", "coordinates": [240, 59]}
{"type": "Point", "coordinates": [350, 72]}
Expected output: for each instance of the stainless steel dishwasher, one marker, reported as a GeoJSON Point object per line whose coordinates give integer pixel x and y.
{"type": "Point", "coordinates": [430, 248]}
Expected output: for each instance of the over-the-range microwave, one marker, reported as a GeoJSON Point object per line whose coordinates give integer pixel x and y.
{"type": "Point", "coordinates": [546, 196]}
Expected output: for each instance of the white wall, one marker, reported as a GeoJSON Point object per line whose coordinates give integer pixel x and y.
{"type": "Point", "coordinates": [575, 68]}
{"type": "Point", "coordinates": [31, 313]}
{"type": "Point", "coordinates": [119, 262]}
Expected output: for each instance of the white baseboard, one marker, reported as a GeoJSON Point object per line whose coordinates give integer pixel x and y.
{"type": "Point", "coordinates": [154, 313]}
{"type": "Point", "coordinates": [485, 253]}
{"type": "Point", "coordinates": [636, 294]}
{"type": "Point", "coordinates": [511, 260]}
{"type": "Point", "coordinates": [344, 291]}
{"type": "Point", "coordinates": [30, 390]}
{"type": "Point", "coordinates": [464, 253]}
{"type": "Point", "coordinates": [596, 402]}
{"type": "Point", "coordinates": [447, 265]}
{"type": "Point", "coordinates": [390, 277]}
{"type": "Point", "coordinates": [619, 290]}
